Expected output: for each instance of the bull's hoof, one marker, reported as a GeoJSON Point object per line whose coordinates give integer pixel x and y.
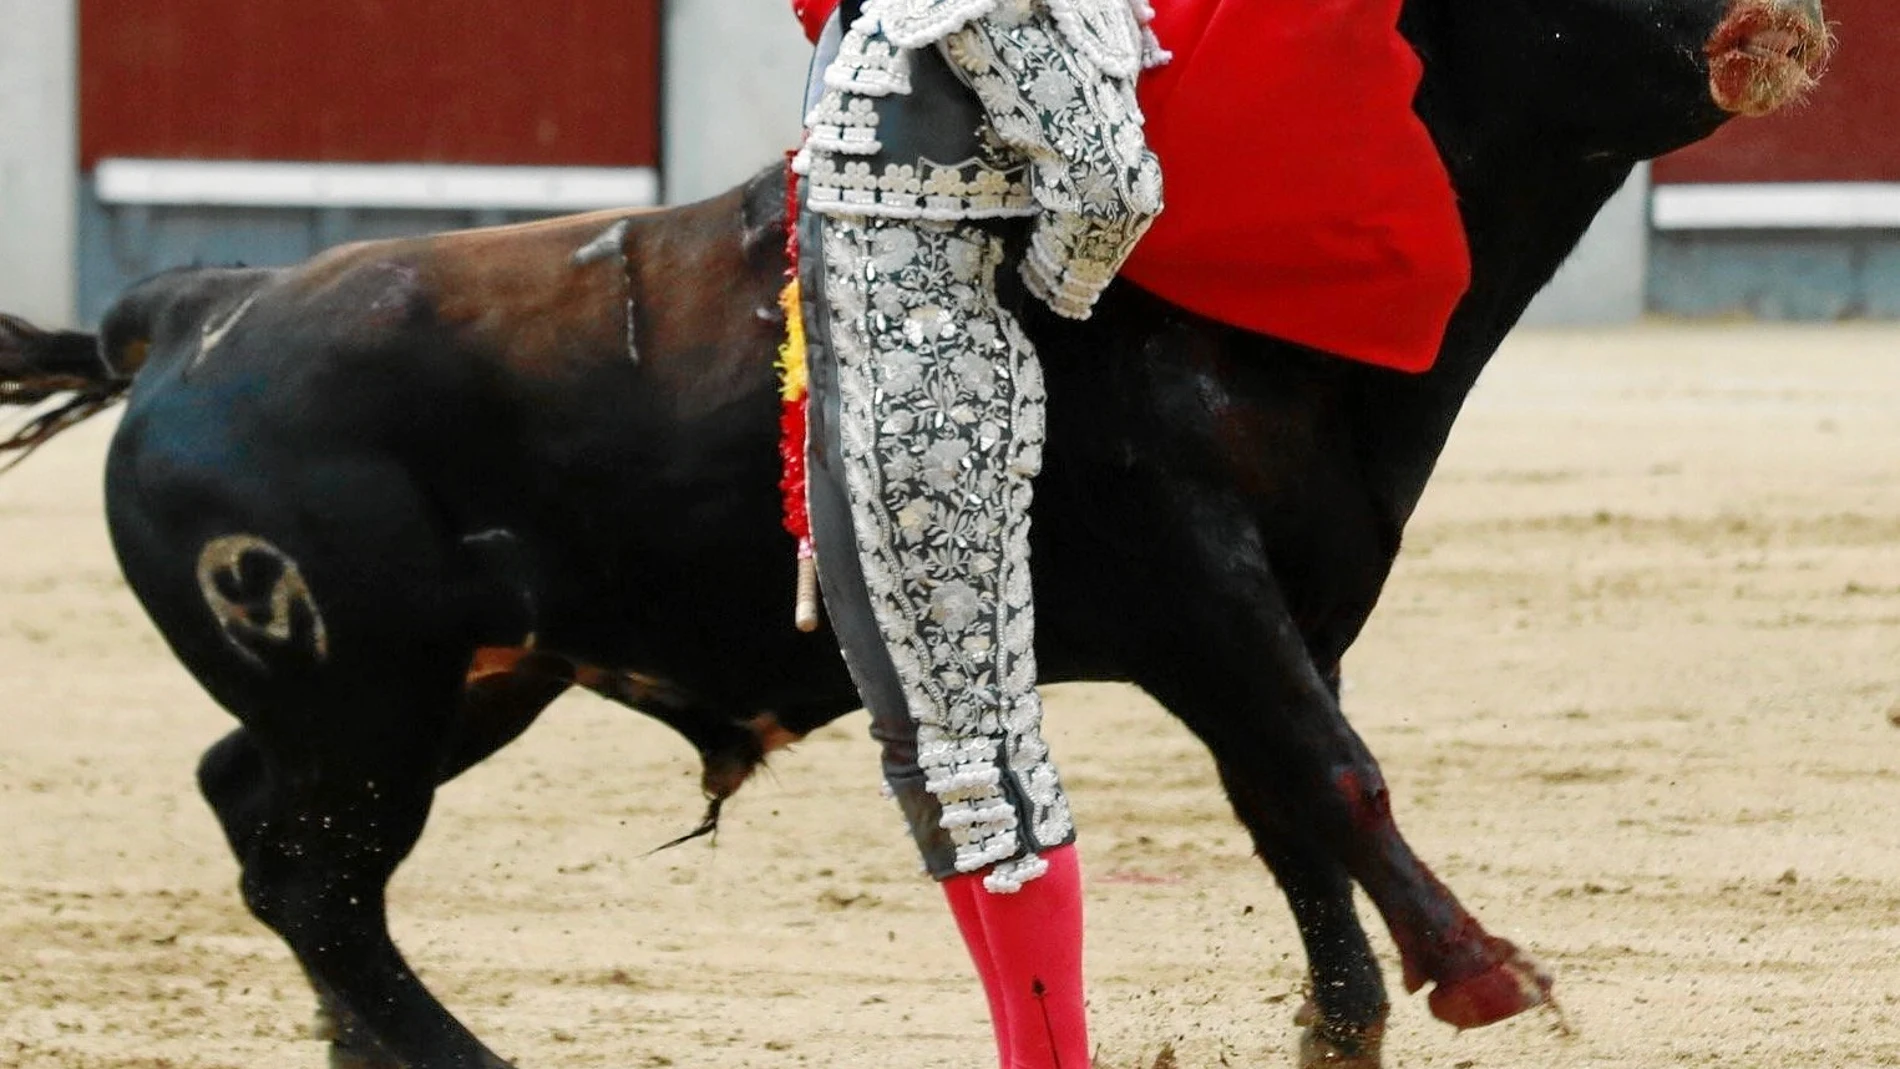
{"type": "Point", "coordinates": [1319, 1052]}
{"type": "Point", "coordinates": [1323, 1046]}
{"type": "Point", "coordinates": [346, 1057]}
{"type": "Point", "coordinates": [348, 1049]}
{"type": "Point", "coordinates": [351, 1049]}
{"type": "Point", "coordinates": [342, 1057]}
{"type": "Point", "coordinates": [1512, 985]}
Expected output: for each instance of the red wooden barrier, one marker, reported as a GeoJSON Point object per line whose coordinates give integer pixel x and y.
{"type": "Point", "coordinates": [524, 82]}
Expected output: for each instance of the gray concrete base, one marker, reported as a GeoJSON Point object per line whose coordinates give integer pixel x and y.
{"type": "Point", "coordinates": [1804, 275]}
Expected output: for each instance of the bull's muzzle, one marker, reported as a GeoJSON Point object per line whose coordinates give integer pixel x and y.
{"type": "Point", "coordinates": [1766, 54]}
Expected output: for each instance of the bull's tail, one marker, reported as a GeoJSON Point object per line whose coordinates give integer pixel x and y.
{"type": "Point", "coordinates": [60, 376]}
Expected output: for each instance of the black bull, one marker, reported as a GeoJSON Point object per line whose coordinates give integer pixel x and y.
{"type": "Point", "coordinates": [389, 503]}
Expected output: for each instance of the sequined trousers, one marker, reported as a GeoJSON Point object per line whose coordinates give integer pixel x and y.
{"type": "Point", "coordinates": [927, 430]}
{"type": "Point", "coordinates": [927, 418]}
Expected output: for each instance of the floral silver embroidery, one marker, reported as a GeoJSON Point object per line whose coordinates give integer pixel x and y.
{"type": "Point", "coordinates": [1064, 133]}
{"type": "Point", "coordinates": [941, 424]}
{"type": "Point", "coordinates": [1106, 31]}
{"type": "Point", "coordinates": [1090, 168]}
{"type": "Point", "coordinates": [941, 420]}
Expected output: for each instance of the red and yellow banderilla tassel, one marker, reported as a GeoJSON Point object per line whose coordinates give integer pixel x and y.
{"type": "Point", "coordinates": [794, 394]}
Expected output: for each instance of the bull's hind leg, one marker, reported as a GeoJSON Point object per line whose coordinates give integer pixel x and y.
{"type": "Point", "coordinates": [336, 625]}
{"type": "Point", "coordinates": [498, 703]}
{"type": "Point", "coordinates": [319, 821]}
{"type": "Point", "coordinates": [234, 780]}
{"type": "Point", "coordinates": [349, 704]}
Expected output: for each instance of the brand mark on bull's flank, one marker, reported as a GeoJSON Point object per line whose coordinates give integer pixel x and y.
{"type": "Point", "coordinates": [259, 597]}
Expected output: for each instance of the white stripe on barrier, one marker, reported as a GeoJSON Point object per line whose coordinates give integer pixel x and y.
{"type": "Point", "coordinates": [373, 185]}
{"type": "Point", "coordinates": [1777, 205]}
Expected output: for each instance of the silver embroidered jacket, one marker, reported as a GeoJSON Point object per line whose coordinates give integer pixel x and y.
{"type": "Point", "coordinates": [1055, 133]}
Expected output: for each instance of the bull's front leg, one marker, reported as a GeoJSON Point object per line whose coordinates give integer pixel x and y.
{"type": "Point", "coordinates": [1232, 665]}
{"type": "Point", "coordinates": [1345, 1015]}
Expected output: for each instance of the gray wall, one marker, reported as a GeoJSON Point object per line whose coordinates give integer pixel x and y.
{"type": "Point", "coordinates": [38, 159]}
{"type": "Point", "coordinates": [733, 89]}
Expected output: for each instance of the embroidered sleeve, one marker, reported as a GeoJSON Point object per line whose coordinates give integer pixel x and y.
{"type": "Point", "coordinates": [1094, 180]}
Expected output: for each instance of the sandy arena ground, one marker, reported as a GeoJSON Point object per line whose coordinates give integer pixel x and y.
{"type": "Point", "coordinates": [1634, 686]}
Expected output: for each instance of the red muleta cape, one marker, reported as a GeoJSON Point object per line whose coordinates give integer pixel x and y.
{"type": "Point", "coordinates": [1305, 199]}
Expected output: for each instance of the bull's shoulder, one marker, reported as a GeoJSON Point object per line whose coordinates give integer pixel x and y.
{"type": "Point", "coordinates": [550, 276]}
{"type": "Point", "coordinates": [562, 264]}
{"type": "Point", "coordinates": [649, 287]}
{"type": "Point", "coordinates": [497, 292]}
{"type": "Point", "coordinates": [687, 294]}
{"type": "Point", "coordinates": [499, 266]}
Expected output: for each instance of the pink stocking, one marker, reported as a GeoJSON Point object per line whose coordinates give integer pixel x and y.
{"type": "Point", "coordinates": [961, 892]}
{"type": "Point", "coordinates": [1033, 942]}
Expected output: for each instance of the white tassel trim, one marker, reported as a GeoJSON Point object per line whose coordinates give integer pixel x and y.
{"type": "Point", "coordinates": [1008, 877]}
{"type": "Point", "coordinates": [1108, 32]}
{"type": "Point", "coordinates": [916, 23]}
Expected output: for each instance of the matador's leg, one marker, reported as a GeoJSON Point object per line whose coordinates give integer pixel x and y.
{"type": "Point", "coordinates": [928, 433]}
{"type": "Point", "coordinates": [926, 430]}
